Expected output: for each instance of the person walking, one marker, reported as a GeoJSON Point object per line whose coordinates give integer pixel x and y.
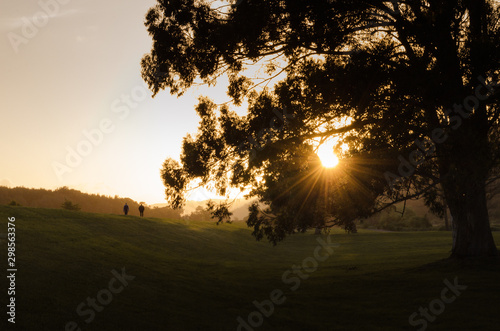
{"type": "Point", "coordinates": [141, 210]}
{"type": "Point", "coordinates": [125, 209]}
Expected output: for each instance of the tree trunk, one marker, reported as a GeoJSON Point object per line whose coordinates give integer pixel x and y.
{"type": "Point", "coordinates": [464, 170]}
{"type": "Point", "coordinates": [471, 230]}
{"type": "Point", "coordinates": [446, 220]}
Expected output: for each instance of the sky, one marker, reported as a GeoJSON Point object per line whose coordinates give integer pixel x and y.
{"type": "Point", "coordinates": [74, 109]}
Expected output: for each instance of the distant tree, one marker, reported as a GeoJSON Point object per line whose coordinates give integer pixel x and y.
{"type": "Point", "coordinates": [70, 205]}
{"type": "Point", "coordinates": [391, 219]}
{"type": "Point", "coordinates": [200, 214]}
{"type": "Point", "coordinates": [410, 87]}
{"type": "Point", "coordinates": [13, 203]}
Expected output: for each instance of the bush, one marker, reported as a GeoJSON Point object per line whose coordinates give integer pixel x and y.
{"type": "Point", "coordinates": [70, 205]}
{"type": "Point", "coordinates": [13, 203]}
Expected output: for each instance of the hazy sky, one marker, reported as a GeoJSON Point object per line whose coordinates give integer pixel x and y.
{"type": "Point", "coordinates": [74, 109]}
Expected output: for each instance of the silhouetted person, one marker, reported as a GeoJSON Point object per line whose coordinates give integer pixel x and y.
{"type": "Point", "coordinates": [125, 209]}
{"type": "Point", "coordinates": [141, 210]}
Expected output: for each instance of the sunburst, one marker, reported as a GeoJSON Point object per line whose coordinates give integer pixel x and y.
{"type": "Point", "coordinates": [327, 156]}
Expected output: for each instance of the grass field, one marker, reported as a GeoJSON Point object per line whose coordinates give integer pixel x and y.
{"type": "Point", "coordinates": [199, 276]}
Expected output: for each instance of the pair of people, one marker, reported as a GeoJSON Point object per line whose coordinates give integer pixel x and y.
{"type": "Point", "coordinates": [126, 209]}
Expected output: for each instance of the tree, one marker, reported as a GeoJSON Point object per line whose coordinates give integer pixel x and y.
{"type": "Point", "coordinates": [199, 214]}
{"type": "Point", "coordinates": [205, 214]}
{"type": "Point", "coordinates": [70, 205]}
{"type": "Point", "coordinates": [410, 87]}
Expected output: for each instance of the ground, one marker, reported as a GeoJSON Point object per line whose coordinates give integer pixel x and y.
{"type": "Point", "coordinates": [199, 276]}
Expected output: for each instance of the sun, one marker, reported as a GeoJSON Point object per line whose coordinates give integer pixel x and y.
{"type": "Point", "coordinates": [327, 156]}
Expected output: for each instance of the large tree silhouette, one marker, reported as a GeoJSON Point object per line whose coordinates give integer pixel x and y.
{"type": "Point", "coordinates": [411, 87]}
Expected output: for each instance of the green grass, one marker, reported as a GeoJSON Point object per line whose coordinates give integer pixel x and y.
{"type": "Point", "coordinates": [199, 276]}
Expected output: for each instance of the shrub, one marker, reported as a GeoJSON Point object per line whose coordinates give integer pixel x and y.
{"type": "Point", "coordinates": [70, 205]}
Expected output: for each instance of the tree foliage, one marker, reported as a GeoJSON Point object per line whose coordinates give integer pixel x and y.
{"type": "Point", "coordinates": [70, 205]}
{"type": "Point", "coordinates": [408, 87]}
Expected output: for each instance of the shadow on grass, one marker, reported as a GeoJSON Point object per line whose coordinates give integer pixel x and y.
{"type": "Point", "coordinates": [462, 264]}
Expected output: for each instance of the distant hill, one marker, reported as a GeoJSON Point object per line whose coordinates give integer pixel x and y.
{"type": "Point", "coordinates": [95, 203]}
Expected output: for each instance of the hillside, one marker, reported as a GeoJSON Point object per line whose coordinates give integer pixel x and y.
{"type": "Point", "coordinates": [95, 203]}
{"type": "Point", "coordinates": [199, 276]}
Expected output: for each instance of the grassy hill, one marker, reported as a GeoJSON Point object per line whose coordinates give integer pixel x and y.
{"type": "Point", "coordinates": [199, 276]}
{"type": "Point", "coordinates": [94, 203]}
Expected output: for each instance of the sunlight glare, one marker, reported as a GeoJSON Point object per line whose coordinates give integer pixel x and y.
{"type": "Point", "coordinates": [327, 156]}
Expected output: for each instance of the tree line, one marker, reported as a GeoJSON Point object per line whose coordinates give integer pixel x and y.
{"type": "Point", "coordinates": [67, 198]}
